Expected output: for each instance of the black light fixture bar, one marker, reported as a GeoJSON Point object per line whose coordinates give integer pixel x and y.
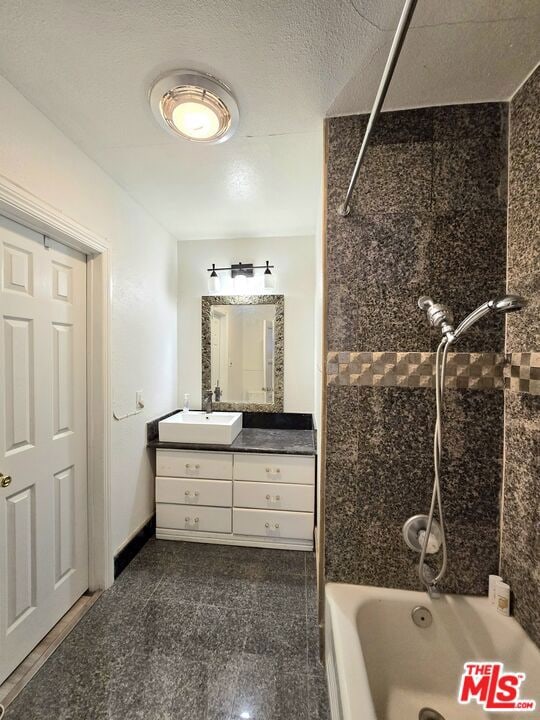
{"type": "Point", "coordinates": [241, 269]}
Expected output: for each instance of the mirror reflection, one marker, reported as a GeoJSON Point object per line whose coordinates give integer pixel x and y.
{"type": "Point", "coordinates": [242, 353]}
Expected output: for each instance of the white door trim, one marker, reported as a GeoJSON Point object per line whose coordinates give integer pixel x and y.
{"type": "Point", "coordinates": [22, 206]}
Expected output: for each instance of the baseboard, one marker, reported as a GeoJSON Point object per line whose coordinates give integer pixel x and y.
{"type": "Point", "coordinates": [124, 556]}
{"type": "Point", "coordinates": [22, 675]}
{"type": "Point", "coordinates": [228, 539]}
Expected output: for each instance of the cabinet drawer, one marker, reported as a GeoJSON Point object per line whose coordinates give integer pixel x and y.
{"type": "Point", "coordinates": [189, 464]}
{"type": "Point", "coordinates": [193, 518]}
{"type": "Point", "coordinates": [274, 496]}
{"type": "Point", "coordinates": [293, 469]}
{"type": "Point", "coordinates": [273, 524]}
{"type": "Point", "coordinates": [194, 492]}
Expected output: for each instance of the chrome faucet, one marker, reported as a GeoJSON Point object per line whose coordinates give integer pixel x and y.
{"type": "Point", "coordinates": [207, 401]}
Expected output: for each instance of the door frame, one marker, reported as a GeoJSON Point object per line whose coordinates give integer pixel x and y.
{"type": "Point", "coordinates": [23, 207]}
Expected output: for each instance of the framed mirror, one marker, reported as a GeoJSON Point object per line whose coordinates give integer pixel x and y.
{"type": "Point", "coordinates": [242, 351]}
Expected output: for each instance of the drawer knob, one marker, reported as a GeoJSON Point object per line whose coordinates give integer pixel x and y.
{"type": "Point", "coordinates": [197, 467]}
{"type": "Point", "coordinates": [266, 525]}
{"type": "Point", "coordinates": [188, 465]}
{"type": "Point", "coordinates": [268, 497]}
{"type": "Point", "coordinates": [267, 469]}
{"type": "Point", "coordinates": [277, 526]}
{"type": "Point", "coordinates": [196, 493]}
{"type": "Point", "coordinates": [278, 470]}
{"type": "Point", "coordinates": [187, 519]}
{"type": "Point", "coordinates": [187, 492]}
{"type": "Point", "coordinates": [196, 519]}
{"type": "Point", "coordinates": [277, 498]}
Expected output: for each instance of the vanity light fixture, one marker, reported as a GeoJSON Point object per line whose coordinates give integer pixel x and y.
{"type": "Point", "coordinates": [240, 273]}
{"type": "Point", "coordinates": [195, 106]}
{"type": "Point", "coordinates": [269, 279]}
{"type": "Point", "coordinates": [213, 281]}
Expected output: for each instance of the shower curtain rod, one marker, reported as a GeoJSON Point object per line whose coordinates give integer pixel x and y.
{"type": "Point", "coordinates": [397, 43]}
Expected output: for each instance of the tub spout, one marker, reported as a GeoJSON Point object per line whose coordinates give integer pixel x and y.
{"type": "Point", "coordinates": [431, 587]}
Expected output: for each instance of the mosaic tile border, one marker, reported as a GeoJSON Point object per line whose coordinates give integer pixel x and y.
{"type": "Point", "coordinates": [465, 371]}
{"type": "Point", "coordinates": [522, 372]}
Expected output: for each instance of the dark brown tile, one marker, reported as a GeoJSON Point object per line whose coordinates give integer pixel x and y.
{"type": "Point", "coordinates": [524, 191]}
{"type": "Point", "coordinates": [467, 247]}
{"type": "Point", "coordinates": [477, 121]}
{"type": "Point", "coordinates": [371, 552]}
{"type": "Point", "coordinates": [392, 127]}
{"type": "Point", "coordinates": [468, 175]}
{"type": "Point", "coordinates": [473, 554]}
{"type": "Point", "coordinates": [394, 178]}
{"type": "Point", "coordinates": [369, 500]}
{"type": "Point", "coordinates": [389, 319]}
{"type": "Point", "coordinates": [471, 471]}
{"type": "Point", "coordinates": [342, 316]}
{"type": "Point", "coordinates": [523, 327]}
{"type": "Point", "coordinates": [384, 249]}
{"type": "Point", "coordinates": [520, 551]}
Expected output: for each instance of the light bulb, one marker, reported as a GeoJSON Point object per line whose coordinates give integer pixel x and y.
{"type": "Point", "coordinates": [240, 283]}
{"type": "Point", "coordinates": [269, 281]}
{"type": "Point", "coordinates": [196, 120]}
{"type": "Point", "coordinates": [213, 284]}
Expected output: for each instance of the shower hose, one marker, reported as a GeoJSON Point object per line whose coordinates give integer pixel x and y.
{"type": "Point", "coordinates": [427, 576]}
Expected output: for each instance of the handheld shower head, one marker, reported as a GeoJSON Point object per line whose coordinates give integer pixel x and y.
{"type": "Point", "coordinates": [508, 303]}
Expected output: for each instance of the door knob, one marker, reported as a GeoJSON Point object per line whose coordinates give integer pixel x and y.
{"type": "Point", "coordinates": [5, 480]}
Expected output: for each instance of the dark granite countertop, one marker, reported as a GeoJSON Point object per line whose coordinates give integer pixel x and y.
{"type": "Point", "coordinates": [254, 440]}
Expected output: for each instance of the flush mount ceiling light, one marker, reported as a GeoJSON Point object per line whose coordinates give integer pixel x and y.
{"type": "Point", "coordinates": [194, 106]}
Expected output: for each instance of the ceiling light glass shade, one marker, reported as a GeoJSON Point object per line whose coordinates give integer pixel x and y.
{"type": "Point", "coordinates": [195, 106]}
{"type": "Point", "coordinates": [195, 113]}
{"type": "Point", "coordinates": [213, 283]}
{"type": "Point", "coordinates": [269, 280]}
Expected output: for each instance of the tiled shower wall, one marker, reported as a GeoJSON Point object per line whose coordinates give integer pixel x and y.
{"type": "Point", "coordinates": [428, 217]}
{"type": "Point", "coordinates": [520, 552]}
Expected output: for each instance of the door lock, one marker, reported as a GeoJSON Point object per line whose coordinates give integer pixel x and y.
{"type": "Point", "coordinates": [5, 480]}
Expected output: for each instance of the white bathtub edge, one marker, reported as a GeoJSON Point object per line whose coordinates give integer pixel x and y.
{"type": "Point", "coordinates": [346, 669]}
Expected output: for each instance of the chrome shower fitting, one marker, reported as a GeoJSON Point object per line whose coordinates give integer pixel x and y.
{"type": "Point", "coordinates": [440, 317]}
{"type": "Point", "coordinates": [508, 303]}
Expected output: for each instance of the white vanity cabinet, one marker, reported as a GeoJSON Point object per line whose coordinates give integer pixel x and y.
{"type": "Point", "coordinates": [257, 499]}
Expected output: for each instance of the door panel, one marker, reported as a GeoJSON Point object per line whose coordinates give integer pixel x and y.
{"type": "Point", "coordinates": [62, 378]}
{"type": "Point", "coordinates": [18, 274]}
{"type": "Point", "coordinates": [43, 510]}
{"type": "Point", "coordinates": [19, 373]}
{"type": "Point", "coordinates": [21, 538]}
{"type": "Point", "coordinates": [64, 495]}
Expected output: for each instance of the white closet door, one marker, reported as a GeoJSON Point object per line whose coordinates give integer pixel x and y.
{"type": "Point", "coordinates": [43, 491]}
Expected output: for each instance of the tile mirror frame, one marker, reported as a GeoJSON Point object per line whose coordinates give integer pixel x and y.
{"type": "Point", "coordinates": [207, 303]}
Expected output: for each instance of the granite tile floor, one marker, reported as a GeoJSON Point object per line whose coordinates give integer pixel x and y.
{"type": "Point", "coordinates": [205, 632]}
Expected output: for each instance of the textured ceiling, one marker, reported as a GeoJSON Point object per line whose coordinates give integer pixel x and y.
{"type": "Point", "coordinates": [88, 64]}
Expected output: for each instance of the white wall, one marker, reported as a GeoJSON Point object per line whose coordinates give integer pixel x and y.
{"type": "Point", "coordinates": [294, 259]}
{"type": "Point", "coordinates": [37, 156]}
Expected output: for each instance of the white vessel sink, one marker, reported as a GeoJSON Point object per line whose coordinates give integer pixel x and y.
{"type": "Point", "coordinates": [217, 428]}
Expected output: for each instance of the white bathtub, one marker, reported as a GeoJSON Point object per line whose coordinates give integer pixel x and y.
{"type": "Point", "coordinates": [381, 666]}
